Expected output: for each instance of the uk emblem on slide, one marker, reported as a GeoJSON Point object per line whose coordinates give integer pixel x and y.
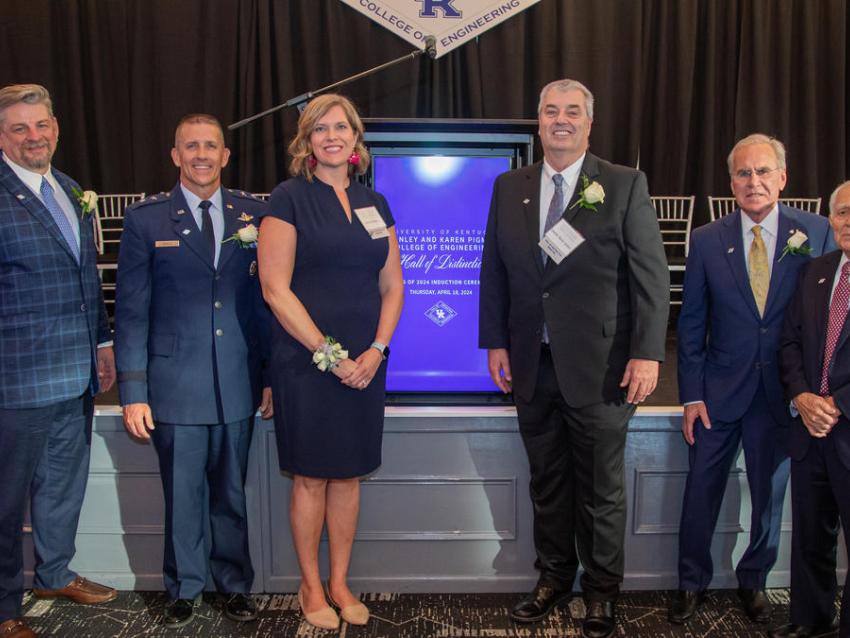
{"type": "Point", "coordinates": [441, 313]}
{"type": "Point", "coordinates": [451, 22]}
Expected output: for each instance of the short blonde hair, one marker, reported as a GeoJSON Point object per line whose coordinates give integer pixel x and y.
{"type": "Point", "coordinates": [299, 147]}
{"type": "Point", "coordinates": [24, 93]}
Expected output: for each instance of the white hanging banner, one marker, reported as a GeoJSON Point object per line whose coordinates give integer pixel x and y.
{"type": "Point", "coordinates": [451, 22]}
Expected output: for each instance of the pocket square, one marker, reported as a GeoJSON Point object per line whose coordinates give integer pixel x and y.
{"type": "Point", "coordinates": [821, 280]}
{"type": "Point", "coordinates": [167, 243]}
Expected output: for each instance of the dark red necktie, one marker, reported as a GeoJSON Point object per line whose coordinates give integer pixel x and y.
{"type": "Point", "coordinates": [837, 314]}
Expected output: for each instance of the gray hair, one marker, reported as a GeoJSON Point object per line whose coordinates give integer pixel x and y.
{"type": "Point", "coordinates": [26, 94]}
{"type": "Point", "coordinates": [834, 196]}
{"type": "Point", "coordinates": [759, 138]}
{"type": "Point", "coordinates": [568, 85]}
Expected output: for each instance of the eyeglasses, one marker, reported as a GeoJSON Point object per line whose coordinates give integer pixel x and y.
{"type": "Point", "coordinates": [746, 173]}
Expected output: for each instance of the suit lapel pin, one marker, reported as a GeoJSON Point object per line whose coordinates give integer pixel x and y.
{"type": "Point", "coordinates": [245, 217]}
{"type": "Point", "coordinates": [821, 280]}
{"type": "Point", "coordinates": [187, 231]}
{"type": "Point", "coordinates": [229, 205]}
{"type": "Point", "coordinates": [181, 212]}
{"type": "Point", "coordinates": [252, 270]}
{"type": "Point", "coordinates": [19, 196]}
{"type": "Point", "coordinates": [525, 201]}
{"type": "Point", "coordinates": [731, 250]}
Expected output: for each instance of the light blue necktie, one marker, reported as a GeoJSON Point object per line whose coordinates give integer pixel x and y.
{"type": "Point", "coordinates": [556, 209]}
{"type": "Point", "coordinates": [556, 206]}
{"type": "Point", "coordinates": [59, 217]}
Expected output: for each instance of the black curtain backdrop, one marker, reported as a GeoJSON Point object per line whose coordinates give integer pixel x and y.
{"type": "Point", "coordinates": [676, 81]}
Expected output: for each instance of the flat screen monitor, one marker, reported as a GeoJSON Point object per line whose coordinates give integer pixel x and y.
{"type": "Point", "coordinates": [440, 200]}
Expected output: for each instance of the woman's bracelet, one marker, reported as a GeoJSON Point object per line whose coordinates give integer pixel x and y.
{"type": "Point", "coordinates": [329, 355]}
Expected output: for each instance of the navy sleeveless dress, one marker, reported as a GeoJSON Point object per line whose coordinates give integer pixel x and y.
{"type": "Point", "coordinates": [324, 428]}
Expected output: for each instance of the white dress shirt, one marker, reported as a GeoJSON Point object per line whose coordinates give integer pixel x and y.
{"type": "Point", "coordinates": [547, 187]}
{"type": "Point", "coordinates": [769, 232]}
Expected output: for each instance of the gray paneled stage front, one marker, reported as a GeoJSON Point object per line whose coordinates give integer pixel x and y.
{"type": "Point", "coordinates": [447, 512]}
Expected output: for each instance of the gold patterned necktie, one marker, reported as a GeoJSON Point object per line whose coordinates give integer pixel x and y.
{"type": "Point", "coordinates": [759, 273]}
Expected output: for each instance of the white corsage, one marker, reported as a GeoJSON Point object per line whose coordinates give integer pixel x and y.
{"type": "Point", "coordinates": [329, 355]}
{"type": "Point", "coordinates": [86, 199]}
{"type": "Point", "coordinates": [246, 236]}
{"type": "Point", "coordinates": [795, 245]}
{"type": "Point", "coordinates": [592, 193]}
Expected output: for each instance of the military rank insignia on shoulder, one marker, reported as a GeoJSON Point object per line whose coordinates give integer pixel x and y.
{"type": "Point", "coordinates": [158, 198]}
{"type": "Point", "coordinates": [244, 195]}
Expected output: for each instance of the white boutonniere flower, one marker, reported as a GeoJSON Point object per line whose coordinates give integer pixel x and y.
{"type": "Point", "coordinates": [795, 245]}
{"type": "Point", "coordinates": [246, 236]}
{"type": "Point", "coordinates": [329, 354]}
{"type": "Point", "coordinates": [591, 194]}
{"type": "Point", "coordinates": [87, 201]}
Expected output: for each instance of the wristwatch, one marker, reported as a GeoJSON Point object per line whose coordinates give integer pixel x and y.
{"type": "Point", "coordinates": [383, 348]}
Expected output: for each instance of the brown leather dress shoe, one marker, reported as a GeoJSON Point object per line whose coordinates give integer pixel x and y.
{"type": "Point", "coordinates": [15, 629]}
{"type": "Point", "coordinates": [81, 591]}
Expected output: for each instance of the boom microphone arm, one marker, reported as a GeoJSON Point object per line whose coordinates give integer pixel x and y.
{"type": "Point", "coordinates": [300, 101]}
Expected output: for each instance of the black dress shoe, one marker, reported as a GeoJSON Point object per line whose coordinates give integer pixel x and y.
{"type": "Point", "coordinates": [756, 605]}
{"type": "Point", "coordinates": [241, 608]}
{"type": "Point", "coordinates": [538, 604]}
{"type": "Point", "coordinates": [179, 612]}
{"type": "Point", "coordinates": [684, 604]}
{"type": "Point", "coordinates": [599, 621]}
{"type": "Point", "coordinates": [802, 631]}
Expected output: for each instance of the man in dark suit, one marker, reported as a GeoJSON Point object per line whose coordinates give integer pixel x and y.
{"type": "Point", "coordinates": [577, 332]}
{"type": "Point", "coordinates": [190, 331]}
{"type": "Point", "coordinates": [738, 281]}
{"type": "Point", "coordinates": [814, 361]}
{"type": "Point", "coordinates": [55, 353]}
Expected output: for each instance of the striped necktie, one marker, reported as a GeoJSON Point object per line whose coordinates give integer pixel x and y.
{"type": "Point", "coordinates": [837, 316]}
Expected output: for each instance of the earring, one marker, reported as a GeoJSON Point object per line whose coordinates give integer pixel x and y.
{"type": "Point", "coordinates": [354, 158]}
{"type": "Point", "coordinates": [312, 162]}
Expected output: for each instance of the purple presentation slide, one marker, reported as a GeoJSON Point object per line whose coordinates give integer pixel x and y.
{"type": "Point", "coordinates": [440, 205]}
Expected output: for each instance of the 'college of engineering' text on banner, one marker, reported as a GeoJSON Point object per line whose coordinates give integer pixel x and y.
{"type": "Point", "coordinates": [451, 22]}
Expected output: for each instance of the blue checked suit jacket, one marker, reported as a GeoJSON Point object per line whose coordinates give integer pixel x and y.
{"type": "Point", "coordinates": [52, 314]}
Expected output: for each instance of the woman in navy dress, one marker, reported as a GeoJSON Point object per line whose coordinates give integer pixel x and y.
{"type": "Point", "coordinates": [330, 269]}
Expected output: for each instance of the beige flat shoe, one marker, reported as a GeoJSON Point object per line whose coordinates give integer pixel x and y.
{"type": "Point", "coordinates": [356, 614]}
{"type": "Point", "coordinates": [325, 618]}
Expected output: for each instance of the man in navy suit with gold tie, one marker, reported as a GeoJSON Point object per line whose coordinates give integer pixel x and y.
{"type": "Point", "coordinates": [190, 332]}
{"type": "Point", "coordinates": [55, 353]}
{"type": "Point", "coordinates": [739, 279]}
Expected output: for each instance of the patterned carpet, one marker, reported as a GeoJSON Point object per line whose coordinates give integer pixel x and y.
{"type": "Point", "coordinates": [640, 614]}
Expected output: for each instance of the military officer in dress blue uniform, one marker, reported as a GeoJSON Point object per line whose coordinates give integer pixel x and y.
{"type": "Point", "coordinates": [190, 335]}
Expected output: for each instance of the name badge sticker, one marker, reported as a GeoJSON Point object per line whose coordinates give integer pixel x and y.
{"type": "Point", "coordinates": [372, 222]}
{"type": "Point", "coordinates": [560, 241]}
{"type": "Point", "coordinates": [167, 243]}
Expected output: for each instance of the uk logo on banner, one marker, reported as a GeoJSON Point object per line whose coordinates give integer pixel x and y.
{"type": "Point", "coordinates": [451, 22]}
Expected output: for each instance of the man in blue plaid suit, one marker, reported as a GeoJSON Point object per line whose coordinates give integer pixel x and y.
{"type": "Point", "coordinates": [55, 353]}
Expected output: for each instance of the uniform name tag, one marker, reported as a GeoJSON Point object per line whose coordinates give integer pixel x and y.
{"type": "Point", "coordinates": [560, 241]}
{"type": "Point", "coordinates": [372, 222]}
{"type": "Point", "coordinates": [167, 243]}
